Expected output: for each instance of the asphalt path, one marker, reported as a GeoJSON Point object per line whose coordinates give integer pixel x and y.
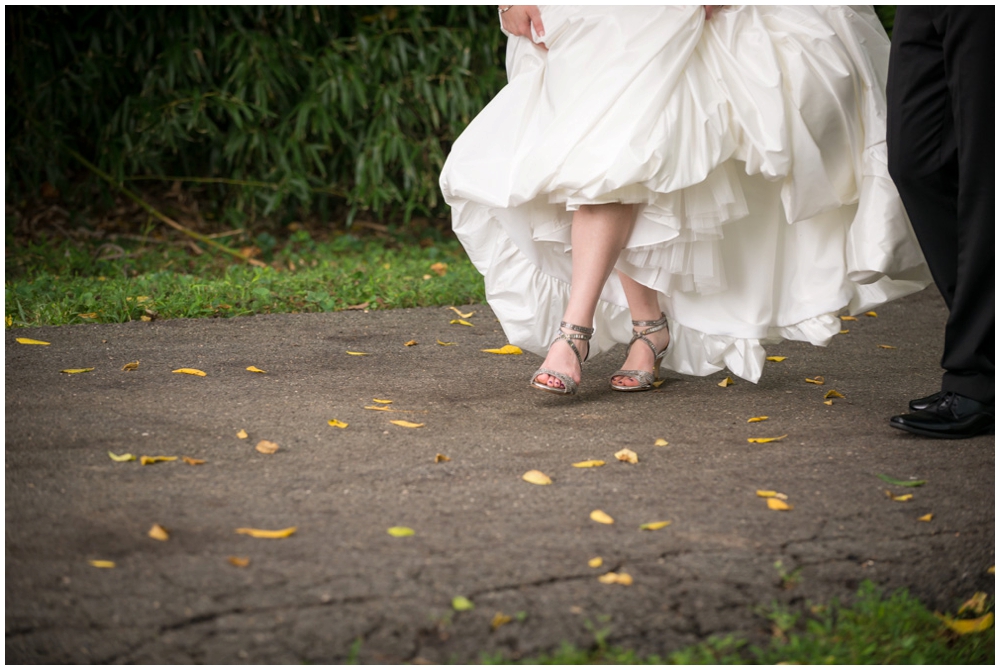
{"type": "Point", "coordinates": [341, 581]}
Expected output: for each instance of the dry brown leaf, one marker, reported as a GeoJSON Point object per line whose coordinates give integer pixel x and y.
{"type": "Point", "coordinates": [588, 464]}
{"type": "Point", "coordinates": [886, 346]}
{"type": "Point", "coordinates": [765, 440]}
{"type": "Point", "coordinates": [976, 604]}
{"type": "Point", "coordinates": [238, 561]}
{"type": "Point", "coordinates": [499, 619]}
{"type": "Point", "coordinates": [600, 517]}
{"type": "Point", "coordinates": [870, 314]}
{"type": "Point", "coordinates": [254, 368]}
{"type": "Point", "coordinates": [149, 460]}
{"type": "Point", "coordinates": [655, 525]}
{"type": "Point", "coordinates": [190, 371]}
{"type": "Point", "coordinates": [848, 318]}
{"type": "Point", "coordinates": [102, 564]}
{"type": "Point", "coordinates": [536, 477]}
{"type": "Point", "coordinates": [757, 419]}
{"type": "Point", "coordinates": [363, 305]}
{"type": "Point", "coordinates": [660, 442]}
{"type": "Point", "coordinates": [158, 532]}
{"type": "Point", "coordinates": [411, 343]}
{"type": "Point", "coordinates": [728, 381]}
{"type": "Point", "coordinates": [336, 424]}
{"type": "Point", "coordinates": [446, 344]}
{"type": "Point", "coordinates": [627, 456]}
{"type": "Point", "coordinates": [966, 626]}
{"type": "Point", "coordinates": [76, 371]}
{"type": "Point", "coordinates": [778, 505]}
{"type": "Point", "coordinates": [358, 353]}
{"type": "Point", "coordinates": [596, 562]}
{"type": "Point", "coordinates": [267, 534]}
{"type": "Point", "coordinates": [818, 380]}
{"type": "Point", "coordinates": [833, 394]}
{"type": "Point", "coordinates": [128, 367]}
{"type": "Point", "coordinates": [441, 458]}
{"type": "Point", "coordinates": [266, 447]}
{"type": "Point", "coordinates": [775, 359]}
{"type": "Point", "coordinates": [406, 424]}
{"type": "Point", "coordinates": [439, 268]}
{"type": "Point", "coordinates": [464, 315]}
{"type": "Point", "coordinates": [507, 349]}
{"type": "Point", "coordinates": [623, 578]}
{"type": "Point", "coordinates": [193, 461]}
{"type": "Point", "coordinates": [26, 340]}
{"type": "Point", "coordinates": [460, 322]}
{"type": "Point", "coordinates": [242, 434]}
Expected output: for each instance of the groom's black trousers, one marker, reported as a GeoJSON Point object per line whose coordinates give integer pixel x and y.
{"type": "Point", "coordinates": [941, 156]}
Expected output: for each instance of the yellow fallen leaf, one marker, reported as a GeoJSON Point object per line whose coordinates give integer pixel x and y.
{"type": "Point", "coordinates": [627, 456]}
{"type": "Point", "coordinates": [25, 340]}
{"type": "Point", "coordinates": [656, 525]}
{"type": "Point", "coordinates": [728, 381]}
{"type": "Point", "coordinates": [439, 268]}
{"type": "Point", "coordinates": [357, 353]}
{"type": "Point", "coordinates": [102, 564]}
{"type": "Point", "coordinates": [833, 394]}
{"type": "Point", "coordinates": [149, 460]}
{"type": "Point", "coordinates": [905, 497]}
{"type": "Point", "coordinates": [615, 578]}
{"type": "Point", "coordinates": [658, 383]}
{"type": "Point", "coordinates": [336, 424]}
{"type": "Point", "coordinates": [848, 318]}
{"type": "Point", "coordinates": [158, 532]}
{"type": "Point", "coordinates": [926, 517]}
{"type": "Point", "coordinates": [757, 419]}
{"type": "Point", "coordinates": [410, 343]}
{"type": "Point", "coordinates": [266, 447]}
{"type": "Point", "coordinates": [778, 505]}
{"type": "Point", "coordinates": [406, 424]}
{"type": "Point", "coordinates": [828, 402]}
{"type": "Point", "coordinates": [464, 315]}
{"type": "Point", "coordinates": [128, 367]}
{"type": "Point", "coordinates": [121, 459]}
{"type": "Point", "coordinates": [446, 344]}
{"type": "Point", "coordinates": [88, 315]}
{"type": "Point", "coordinates": [818, 380]}
{"type": "Point", "coordinates": [254, 368]}
{"type": "Point", "coordinates": [267, 534]}
{"type": "Point", "coordinates": [400, 531]}
{"type": "Point", "coordinates": [845, 331]}
{"type": "Point", "coordinates": [767, 494]}
{"type": "Point", "coordinates": [596, 562]}
{"type": "Point", "coordinates": [588, 464]}
{"type": "Point", "coordinates": [600, 517]}
{"type": "Point", "coordinates": [382, 401]}
{"type": "Point", "coordinates": [441, 458]}
{"type": "Point", "coordinates": [886, 346]}
{"type": "Point", "coordinates": [376, 408]}
{"type": "Point", "coordinates": [975, 604]}
{"type": "Point", "coordinates": [967, 626]}
{"type": "Point", "coordinates": [9, 320]}
{"type": "Point", "coordinates": [536, 477]}
{"type": "Point", "coordinates": [499, 619]}
{"type": "Point", "coordinates": [870, 314]}
{"type": "Point", "coordinates": [765, 440]}
{"type": "Point", "coordinates": [775, 359]}
{"type": "Point", "coordinates": [660, 442]}
{"type": "Point", "coordinates": [505, 349]}
{"type": "Point", "coordinates": [238, 561]}
{"type": "Point", "coordinates": [193, 461]}
{"type": "Point", "coordinates": [242, 434]}
{"type": "Point", "coordinates": [76, 371]}
{"type": "Point", "coordinates": [460, 322]}
{"type": "Point", "coordinates": [190, 371]}
{"type": "Point", "coordinates": [992, 570]}
{"type": "Point", "coordinates": [461, 604]}
{"type": "Point", "coordinates": [144, 317]}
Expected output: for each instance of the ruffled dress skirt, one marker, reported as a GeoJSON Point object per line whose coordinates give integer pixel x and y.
{"type": "Point", "coordinates": [753, 146]}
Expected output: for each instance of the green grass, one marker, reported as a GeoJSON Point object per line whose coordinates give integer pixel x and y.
{"type": "Point", "coordinates": [896, 629]}
{"type": "Point", "coordinates": [55, 282]}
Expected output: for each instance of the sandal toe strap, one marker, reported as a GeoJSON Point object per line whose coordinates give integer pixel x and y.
{"type": "Point", "coordinates": [567, 381]}
{"type": "Point", "coordinates": [644, 378]}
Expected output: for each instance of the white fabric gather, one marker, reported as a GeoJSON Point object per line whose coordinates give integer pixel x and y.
{"type": "Point", "coordinates": [753, 146]}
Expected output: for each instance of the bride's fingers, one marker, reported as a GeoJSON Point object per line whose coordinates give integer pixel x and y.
{"type": "Point", "coordinates": [519, 19]}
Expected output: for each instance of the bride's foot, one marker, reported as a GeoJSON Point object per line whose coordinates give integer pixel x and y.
{"type": "Point", "coordinates": [642, 365]}
{"type": "Point", "coordinates": [560, 373]}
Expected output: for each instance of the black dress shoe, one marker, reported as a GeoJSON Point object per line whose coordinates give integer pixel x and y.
{"type": "Point", "coordinates": [953, 416]}
{"type": "Point", "coordinates": [921, 404]}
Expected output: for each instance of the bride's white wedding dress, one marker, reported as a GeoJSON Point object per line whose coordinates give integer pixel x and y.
{"type": "Point", "coordinates": [753, 145]}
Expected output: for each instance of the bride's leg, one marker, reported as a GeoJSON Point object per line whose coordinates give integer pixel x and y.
{"type": "Point", "coordinates": [598, 235]}
{"type": "Point", "coordinates": [644, 305]}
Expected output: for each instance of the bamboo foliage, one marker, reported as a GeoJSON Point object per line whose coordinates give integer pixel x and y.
{"type": "Point", "coordinates": [298, 105]}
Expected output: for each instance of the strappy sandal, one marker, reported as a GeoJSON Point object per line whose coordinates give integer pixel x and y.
{"type": "Point", "coordinates": [568, 385]}
{"type": "Point", "coordinates": [645, 379]}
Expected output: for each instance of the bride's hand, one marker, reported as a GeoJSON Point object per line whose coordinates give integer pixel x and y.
{"type": "Point", "coordinates": [519, 19]}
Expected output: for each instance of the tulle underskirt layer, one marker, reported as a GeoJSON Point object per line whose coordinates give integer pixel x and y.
{"type": "Point", "coordinates": [752, 147]}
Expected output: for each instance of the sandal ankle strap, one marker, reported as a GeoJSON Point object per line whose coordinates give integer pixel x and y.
{"type": "Point", "coordinates": [645, 324]}
{"type": "Point", "coordinates": [580, 329]}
